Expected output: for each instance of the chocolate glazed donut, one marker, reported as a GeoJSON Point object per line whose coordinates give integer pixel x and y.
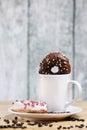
{"type": "Point", "coordinates": [55, 63]}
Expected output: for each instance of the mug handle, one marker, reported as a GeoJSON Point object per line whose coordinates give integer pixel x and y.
{"type": "Point", "coordinates": [79, 91]}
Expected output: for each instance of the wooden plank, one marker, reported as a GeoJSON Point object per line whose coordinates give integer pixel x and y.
{"type": "Point", "coordinates": [50, 30]}
{"type": "Point", "coordinates": [13, 49]}
{"type": "Point", "coordinates": [81, 45]}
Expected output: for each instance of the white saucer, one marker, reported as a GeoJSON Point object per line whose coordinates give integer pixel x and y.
{"type": "Point", "coordinates": [71, 110]}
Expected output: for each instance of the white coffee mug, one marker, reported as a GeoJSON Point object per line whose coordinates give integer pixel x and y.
{"type": "Point", "coordinates": [53, 89]}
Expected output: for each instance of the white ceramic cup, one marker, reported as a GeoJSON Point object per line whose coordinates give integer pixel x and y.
{"type": "Point", "coordinates": [53, 89]}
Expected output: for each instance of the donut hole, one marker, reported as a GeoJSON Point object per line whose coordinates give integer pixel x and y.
{"type": "Point", "coordinates": [54, 69]}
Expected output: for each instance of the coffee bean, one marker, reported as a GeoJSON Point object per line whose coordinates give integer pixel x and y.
{"type": "Point", "coordinates": [64, 127]}
{"type": "Point", "coordinates": [82, 125]}
{"type": "Point", "coordinates": [81, 120]}
{"type": "Point", "coordinates": [59, 127]}
{"type": "Point", "coordinates": [27, 120]}
{"type": "Point", "coordinates": [19, 124]}
{"type": "Point", "coordinates": [4, 126]}
{"type": "Point", "coordinates": [40, 125]}
{"type": "Point", "coordinates": [50, 125]}
{"type": "Point", "coordinates": [23, 127]}
{"type": "Point", "coordinates": [16, 118]}
{"type": "Point", "coordinates": [7, 121]}
{"type": "Point", "coordinates": [71, 126]}
{"type": "Point", "coordinates": [14, 121]}
{"type": "Point", "coordinates": [8, 126]}
{"type": "Point", "coordinates": [1, 126]}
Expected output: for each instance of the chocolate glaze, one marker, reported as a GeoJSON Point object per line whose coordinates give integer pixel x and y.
{"type": "Point", "coordinates": [55, 59]}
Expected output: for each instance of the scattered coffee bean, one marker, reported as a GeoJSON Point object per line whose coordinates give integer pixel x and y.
{"type": "Point", "coordinates": [64, 127]}
{"type": "Point", "coordinates": [14, 121]}
{"type": "Point", "coordinates": [71, 126]}
{"type": "Point", "coordinates": [16, 124]}
{"type": "Point", "coordinates": [50, 125]}
{"type": "Point", "coordinates": [82, 125]}
{"type": "Point", "coordinates": [7, 121]}
{"type": "Point", "coordinates": [59, 127]}
{"type": "Point", "coordinates": [16, 118]}
{"type": "Point", "coordinates": [40, 125]}
{"type": "Point", "coordinates": [19, 124]}
{"type": "Point", "coordinates": [27, 120]}
{"type": "Point", "coordinates": [74, 119]}
{"type": "Point", "coordinates": [81, 120]}
{"type": "Point", "coordinates": [1, 126]}
{"type": "Point", "coordinates": [23, 127]}
{"type": "Point", "coordinates": [8, 126]}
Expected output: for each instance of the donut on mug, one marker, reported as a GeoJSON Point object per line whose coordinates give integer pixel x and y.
{"type": "Point", "coordinates": [55, 63]}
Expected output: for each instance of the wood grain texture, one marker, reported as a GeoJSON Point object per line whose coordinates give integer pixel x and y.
{"type": "Point", "coordinates": [13, 49]}
{"type": "Point", "coordinates": [81, 45]}
{"type": "Point", "coordinates": [50, 30]}
{"type": "Point", "coordinates": [29, 30]}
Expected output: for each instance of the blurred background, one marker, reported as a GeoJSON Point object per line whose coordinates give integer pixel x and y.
{"type": "Point", "coordinates": [29, 30]}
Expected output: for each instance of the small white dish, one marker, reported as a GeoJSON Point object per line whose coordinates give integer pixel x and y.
{"type": "Point", "coordinates": [71, 110]}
